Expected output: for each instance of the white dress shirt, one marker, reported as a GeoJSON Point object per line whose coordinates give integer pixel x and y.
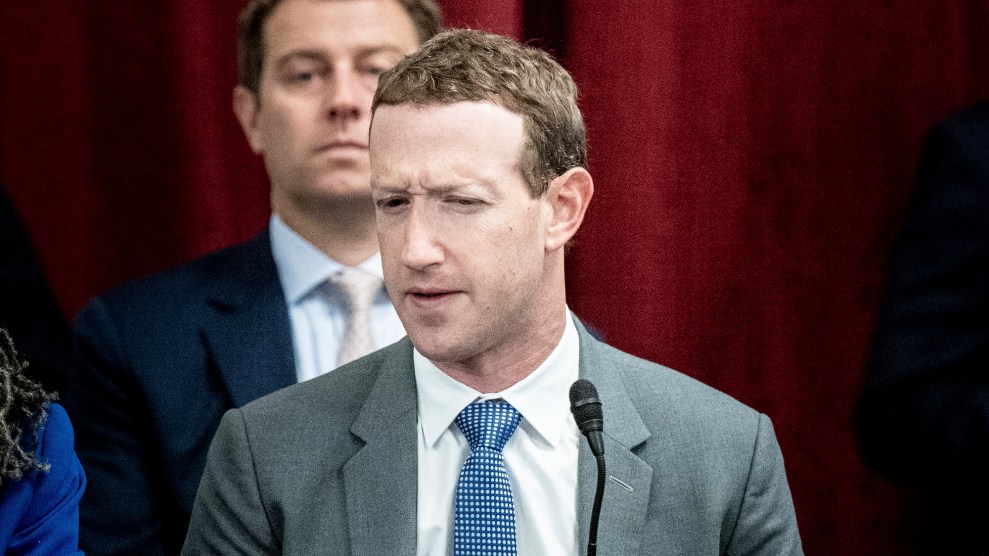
{"type": "Point", "coordinates": [318, 320]}
{"type": "Point", "coordinates": [541, 457]}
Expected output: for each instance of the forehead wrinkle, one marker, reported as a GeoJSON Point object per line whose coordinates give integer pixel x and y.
{"type": "Point", "coordinates": [439, 188]}
{"type": "Point", "coordinates": [408, 144]}
{"type": "Point", "coordinates": [449, 176]}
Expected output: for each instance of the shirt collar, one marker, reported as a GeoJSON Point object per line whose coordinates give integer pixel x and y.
{"type": "Point", "coordinates": [301, 266]}
{"type": "Point", "coordinates": [542, 398]}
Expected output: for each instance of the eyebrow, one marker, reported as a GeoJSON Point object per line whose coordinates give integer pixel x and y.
{"type": "Point", "coordinates": [439, 189]}
{"type": "Point", "coordinates": [386, 48]}
{"type": "Point", "coordinates": [297, 54]}
{"type": "Point", "coordinates": [319, 55]}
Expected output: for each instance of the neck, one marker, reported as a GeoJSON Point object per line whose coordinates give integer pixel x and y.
{"type": "Point", "coordinates": [504, 366]}
{"type": "Point", "coordinates": [343, 230]}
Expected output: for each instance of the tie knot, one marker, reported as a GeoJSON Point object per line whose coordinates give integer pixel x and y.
{"type": "Point", "coordinates": [358, 288]}
{"type": "Point", "coordinates": [488, 424]}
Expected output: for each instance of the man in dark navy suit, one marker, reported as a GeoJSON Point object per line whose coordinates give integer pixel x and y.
{"type": "Point", "coordinates": [160, 360]}
{"type": "Point", "coordinates": [924, 416]}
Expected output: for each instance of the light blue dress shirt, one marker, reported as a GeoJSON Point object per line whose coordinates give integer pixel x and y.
{"type": "Point", "coordinates": [316, 311]}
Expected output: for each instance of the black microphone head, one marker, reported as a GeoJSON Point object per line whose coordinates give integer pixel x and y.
{"type": "Point", "coordinates": [585, 406]}
{"type": "Point", "coordinates": [582, 390]}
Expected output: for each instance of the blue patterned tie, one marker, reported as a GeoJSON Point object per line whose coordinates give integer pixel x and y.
{"type": "Point", "coordinates": [485, 518]}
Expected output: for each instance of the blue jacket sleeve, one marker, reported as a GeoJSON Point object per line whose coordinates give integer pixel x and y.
{"type": "Point", "coordinates": [44, 506]}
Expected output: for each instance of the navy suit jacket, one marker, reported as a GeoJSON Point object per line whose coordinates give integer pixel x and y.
{"type": "Point", "coordinates": [924, 415]}
{"type": "Point", "coordinates": [158, 362]}
{"type": "Point", "coordinates": [39, 514]}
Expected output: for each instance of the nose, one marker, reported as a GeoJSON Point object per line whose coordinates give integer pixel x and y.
{"type": "Point", "coordinates": [346, 98]}
{"type": "Point", "coordinates": [422, 247]}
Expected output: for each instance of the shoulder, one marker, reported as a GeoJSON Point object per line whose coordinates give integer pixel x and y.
{"type": "Point", "coordinates": [664, 391]}
{"type": "Point", "coordinates": [327, 418]}
{"type": "Point", "coordinates": [677, 412]}
{"type": "Point", "coordinates": [952, 180]}
{"type": "Point", "coordinates": [56, 449]}
{"type": "Point", "coordinates": [696, 439]}
{"type": "Point", "coordinates": [219, 268]}
{"type": "Point", "coordinates": [173, 294]}
{"type": "Point", "coordinates": [56, 432]}
{"type": "Point", "coordinates": [335, 399]}
{"type": "Point", "coordinates": [710, 453]}
{"type": "Point", "coordinates": [963, 135]}
{"type": "Point", "coordinates": [54, 437]}
{"type": "Point", "coordinates": [45, 503]}
{"type": "Point", "coordinates": [654, 388]}
{"type": "Point", "coordinates": [973, 120]}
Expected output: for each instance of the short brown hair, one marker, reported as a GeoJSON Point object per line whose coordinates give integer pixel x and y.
{"type": "Point", "coordinates": [426, 15]}
{"type": "Point", "coordinates": [467, 65]}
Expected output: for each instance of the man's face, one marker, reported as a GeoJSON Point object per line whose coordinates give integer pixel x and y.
{"type": "Point", "coordinates": [321, 66]}
{"type": "Point", "coordinates": [462, 242]}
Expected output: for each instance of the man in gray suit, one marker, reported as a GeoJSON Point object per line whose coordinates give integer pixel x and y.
{"type": "Point", "coordinates": [477, 161]}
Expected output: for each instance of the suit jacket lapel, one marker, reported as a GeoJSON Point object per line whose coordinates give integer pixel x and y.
{"type": "Point", "coordinates": [246, 328]}
{"type": "Point", "coordinates": [629, 479]}
{"type": "Point", "coordinates": [381, 480]}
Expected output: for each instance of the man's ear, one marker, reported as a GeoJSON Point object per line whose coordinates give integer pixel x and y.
{"type": "Point", "coordinates": [568, 196]}
{"type": "Point", "coordinates": [246, 107]}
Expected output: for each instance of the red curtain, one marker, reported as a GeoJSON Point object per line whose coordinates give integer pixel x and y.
{"type": "Point", "coordinates": [752, 164]}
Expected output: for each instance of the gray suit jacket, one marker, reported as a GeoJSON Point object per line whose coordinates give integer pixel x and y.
{"type": "Point", "coordinates": [329, 466]}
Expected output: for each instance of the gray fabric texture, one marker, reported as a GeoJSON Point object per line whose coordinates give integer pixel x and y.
{"type": "Point", "coordinates": [329, 466]}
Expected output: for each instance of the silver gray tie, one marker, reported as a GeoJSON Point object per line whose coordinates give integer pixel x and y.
{"type": "Point", "coordinates": [358, 290]}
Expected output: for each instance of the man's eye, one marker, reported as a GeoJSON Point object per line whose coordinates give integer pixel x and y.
{"type": "Point", "coordinates": [375, 70]}
{"type": "Point", "coordinates": [393, 202]}
{"type": "Point", "coordinates": [303, 76]}
{"type": "Point", "coordinates": [465, 202]}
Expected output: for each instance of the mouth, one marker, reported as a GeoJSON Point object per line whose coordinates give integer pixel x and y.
{"type": "Point", "coordinates": [342, 146]}
{"type": "Point", "coordinates": [429, 297]}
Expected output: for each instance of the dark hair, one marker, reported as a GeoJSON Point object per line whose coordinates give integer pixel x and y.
{"type": "Point", "coordinates": [23, 407]}
{"type": "Point", "coordinates": [426, 15]}
{"type": "Point", "coordinates": [466, 65]}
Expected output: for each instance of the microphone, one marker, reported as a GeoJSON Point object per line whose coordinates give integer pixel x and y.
{"type": "Point", "coordinates": [586, 408]}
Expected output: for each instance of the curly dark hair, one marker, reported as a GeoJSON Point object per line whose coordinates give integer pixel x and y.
{"type": "Point", "coordinates": [23, 407]}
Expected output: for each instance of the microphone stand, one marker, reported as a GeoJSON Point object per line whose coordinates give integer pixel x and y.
{"type": "Point", "coordinates": [592, 535]}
